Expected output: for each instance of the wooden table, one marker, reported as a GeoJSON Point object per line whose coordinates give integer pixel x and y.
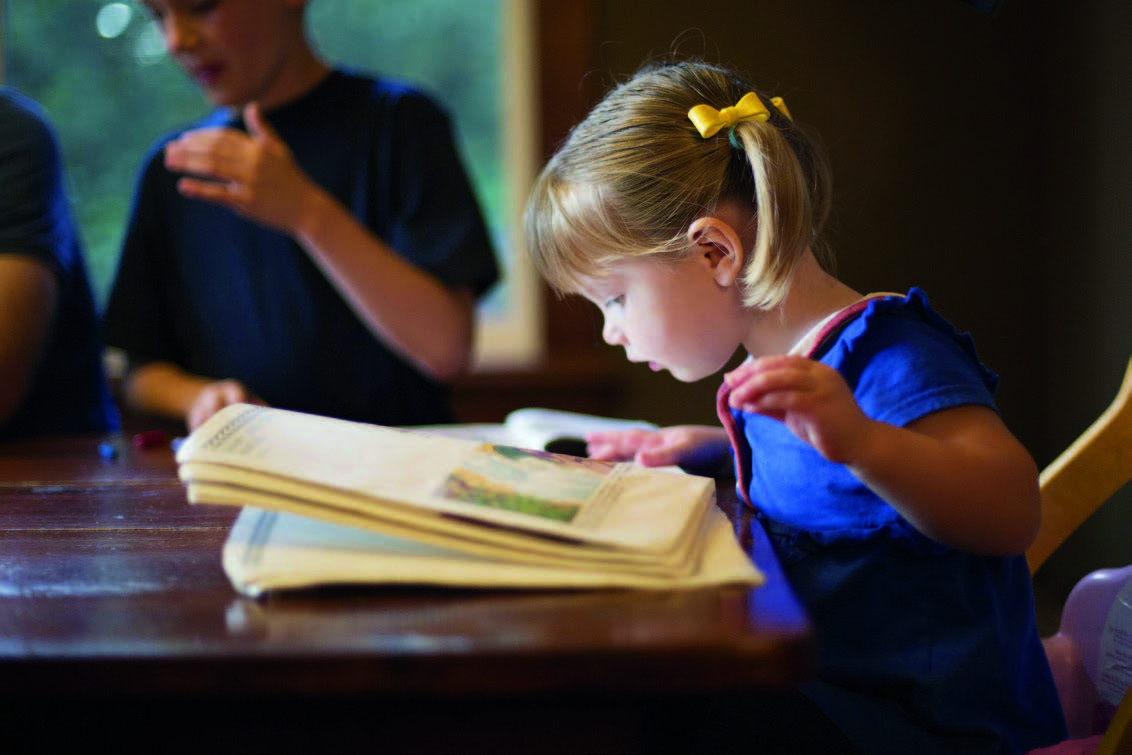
{"type": "Point", "coordinates": [117, 624]}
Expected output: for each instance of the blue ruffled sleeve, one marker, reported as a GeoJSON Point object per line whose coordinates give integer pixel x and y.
{"type": "Point", "coordinates": [904, 361]}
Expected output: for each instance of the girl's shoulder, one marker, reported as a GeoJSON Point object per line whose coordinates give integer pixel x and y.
{"type": "Point", "coordinates": [873, 313]}
{"type": "Point", "coordinates": [910, 324]}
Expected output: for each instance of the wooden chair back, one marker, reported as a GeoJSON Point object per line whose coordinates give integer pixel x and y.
{"type": "Point", "coordinates": [1077, 483]}
{"type": "Point", "coordinates": [1085, 475]}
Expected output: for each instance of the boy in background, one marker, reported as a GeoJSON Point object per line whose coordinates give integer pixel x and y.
{"type": "Point", "coordinates": [314, 244]}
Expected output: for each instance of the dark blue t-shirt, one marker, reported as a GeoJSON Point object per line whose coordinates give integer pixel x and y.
{"type": "Point", "coordinates": [225, 297]}
{"type": "Point", "coordinates": [922, 648]}
{"type": "Point", "coordinates": [67, 392]}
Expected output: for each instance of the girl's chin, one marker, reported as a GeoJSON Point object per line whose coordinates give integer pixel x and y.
{"type": "Point", "coordinates": [688, 375]}
{"type": "Point", "coordinates": [683, 374]}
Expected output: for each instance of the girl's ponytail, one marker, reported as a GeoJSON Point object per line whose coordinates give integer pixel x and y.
{"type": "Point", "coordinates": [775, 181]}
{"type": "Point", "coordinates": [782, 212]}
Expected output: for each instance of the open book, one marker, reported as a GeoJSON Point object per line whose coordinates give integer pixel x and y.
{"type": "Point", "coordinates": [330, 501]}
{"type": "Point", "coordinates": [545, 429]}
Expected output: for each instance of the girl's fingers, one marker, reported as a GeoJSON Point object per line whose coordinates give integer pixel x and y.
{"type": "Point", "coordinates": [607, 447]}
{"type": "Point", "coordinates": [619, 438]}
{"type": "Point", "coordinates": [758, 384]}
{"type": "Point", "coordinates": [660, 456]}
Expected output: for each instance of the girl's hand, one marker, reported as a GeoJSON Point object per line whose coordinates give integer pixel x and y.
{"type": "Point", "coordinates": [683, 445]}
{"type": "Point", "coordinates": [215, 396]}
{"type": "Point", "coordinates": [253, 174]}
{"type": "Point", "coordinates": [810, 398]}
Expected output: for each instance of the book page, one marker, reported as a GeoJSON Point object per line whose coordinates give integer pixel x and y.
{"type": "Point", "coordinates": [534, 427]}
{"type": "Point", "coordinates": [535, 483]}
{"type": "Point", "coordinates": [483, 431]}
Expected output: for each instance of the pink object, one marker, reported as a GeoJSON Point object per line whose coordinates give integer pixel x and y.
{"type": "Point", "coordinates": [1091, 654]}
{"type": "Point", "coordinates": [150, 438]}
{"type": "Point", "coordinates": [1086, 746]}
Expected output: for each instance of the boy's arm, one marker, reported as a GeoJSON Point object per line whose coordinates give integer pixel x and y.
{"type": "Point", "coordinates": [164, 389]}
{"type": "Point", "coordinates": [424, 321]}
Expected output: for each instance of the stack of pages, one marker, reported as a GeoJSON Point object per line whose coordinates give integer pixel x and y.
{"type": "Point", "coordinates": [331, 502]}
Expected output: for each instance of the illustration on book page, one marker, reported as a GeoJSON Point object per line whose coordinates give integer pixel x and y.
{"type": "Point", "coordinates": [530, 482]}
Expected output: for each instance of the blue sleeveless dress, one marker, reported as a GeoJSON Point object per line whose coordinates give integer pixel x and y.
{"type": "Point", "coordinates": [921, 648]}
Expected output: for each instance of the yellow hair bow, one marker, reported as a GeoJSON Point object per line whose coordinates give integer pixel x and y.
{"type": "Point", "coordinates": [708, 120]}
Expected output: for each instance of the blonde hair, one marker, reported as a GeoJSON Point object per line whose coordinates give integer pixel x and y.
{"type": "Point", "coordinates": [632, 177]}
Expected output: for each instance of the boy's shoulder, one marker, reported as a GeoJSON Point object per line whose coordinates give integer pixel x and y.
{"type": "Point", "coordinates": [354, 84]}
{"type": "Point", "coordinates": [24, 127]}
{"type": "Point", "coordinates": [401, 93]}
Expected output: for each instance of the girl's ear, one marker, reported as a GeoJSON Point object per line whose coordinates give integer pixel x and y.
{"type": "Point", "coordinates": [719, 247]}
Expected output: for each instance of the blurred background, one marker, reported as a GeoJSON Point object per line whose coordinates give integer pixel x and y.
{"type": "Point", "coordinates": [980, 152]}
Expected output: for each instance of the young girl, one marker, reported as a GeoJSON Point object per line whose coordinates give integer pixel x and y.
{"type": "Point", "coordinates": [689, 208]}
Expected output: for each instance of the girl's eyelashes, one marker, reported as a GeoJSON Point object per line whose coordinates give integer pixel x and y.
{"type": "Point", "coordinates": [615, 301]}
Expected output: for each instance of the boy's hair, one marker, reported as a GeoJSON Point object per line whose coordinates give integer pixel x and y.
{"type": "Point", "coordinates": [631, 178]}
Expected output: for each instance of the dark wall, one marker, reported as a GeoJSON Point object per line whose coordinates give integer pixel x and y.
{"type": "Point", "coordinates": [1086, 231]}
{"type": "Point", "coordinates": [924, 109]}
{"type": "Point", "coordinates": [983, 157]}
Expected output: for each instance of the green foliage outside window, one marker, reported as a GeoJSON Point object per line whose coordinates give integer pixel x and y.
{"type": "Point", "coordinates": [99, 70]}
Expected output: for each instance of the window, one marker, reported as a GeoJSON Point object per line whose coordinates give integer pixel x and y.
{"type": "Point", "coordinates": [99, 70]}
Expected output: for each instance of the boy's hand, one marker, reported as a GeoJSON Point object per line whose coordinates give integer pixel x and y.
{"type": "Point", "coordinates": [683, 445]}
{"type": "Point", "coordinates": [253, 174]}
{"type": "Point", "coordinates": [810, 398]}
{"type": "Point", "coordinates": [215, 396]}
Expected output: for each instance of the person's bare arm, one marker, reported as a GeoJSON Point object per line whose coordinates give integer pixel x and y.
{"type": "Point", "coordinates": [958, 475]}
{"type": "Point", "coordinates": [29, 294]}
{"type": "Point", "coordinates": [164, 389]}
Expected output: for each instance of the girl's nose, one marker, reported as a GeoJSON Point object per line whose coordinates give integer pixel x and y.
{"type": "Point", "coordinates": [612, 334]}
